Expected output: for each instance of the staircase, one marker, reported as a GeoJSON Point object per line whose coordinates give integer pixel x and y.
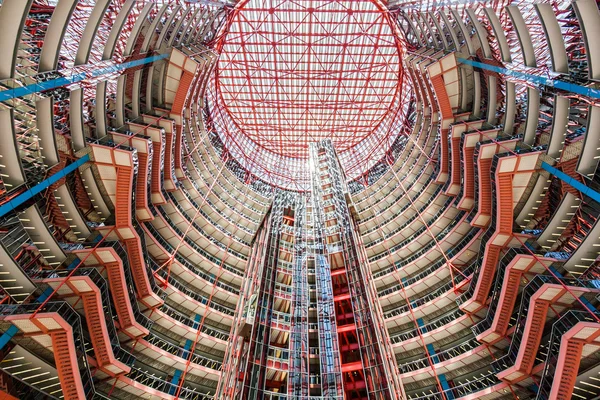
{"type": "Point", "coordinates": [131, 239]}
{"type": "Point", "coordinates": [141, 189]}
{"type": "Point", "coordinates": [179, 102]}
{"type": "Point", "coordinates": [439, 87]}
{"type": "Point", "coordinates": [124, 193]}
{"type": "Point", "coordinates": [168, 177]}
{"type": "Point", "coordinates": [532, 342]}
{"type": "Point", "coordinates": [507, 302]}
{"type": "Point", "coordinates": [54, 213]}
{"type": "Point", "coordinates": [95, 322]}
{"type": "Point", "coordinates": [88, 286]}
{"type": "Point", "coordinates": [570, 369]}
{"type": "Point", "coordinates": [504, 204]}
{"type": "Point", "coordinates": [484, 203]}
{"type": "Point", "coordinates": [468, 179]}
{"type": "Point", "coordinates": [157, 172]}
{"type": "Point", "coordinates": [82, 198]}
{"type": "Point", "coordinates": [66, 365]}
{"type": "Point", "coordinates": [114, 271]}
{"type": "Point", "coordinates": [121, 302]}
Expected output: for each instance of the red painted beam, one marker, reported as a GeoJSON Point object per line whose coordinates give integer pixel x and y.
{"type": "Point", "coordinates": [353, 366]}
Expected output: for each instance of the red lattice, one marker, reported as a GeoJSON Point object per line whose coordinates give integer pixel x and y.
{"type": "Point", "coordinates": [295, 72]}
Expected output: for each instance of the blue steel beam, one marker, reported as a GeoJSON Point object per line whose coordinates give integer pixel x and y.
{"type": "Point", "coordinates": [588, 191]}
{"type": "Point", "coordinates": [59, 82]}
{"type": "Point", "coordinates": [540, 80]}
{"type": "Point", "coordinates": [43, 185]}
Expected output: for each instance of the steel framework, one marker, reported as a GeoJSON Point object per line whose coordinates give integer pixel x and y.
{"type": "Point", "coordinates": [297, 72]}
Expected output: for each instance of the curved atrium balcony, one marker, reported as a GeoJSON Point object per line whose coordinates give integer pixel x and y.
{"type": "Point", "coordinates": [224, 200]}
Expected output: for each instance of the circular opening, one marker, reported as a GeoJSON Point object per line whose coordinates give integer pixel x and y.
{"type": "Point", "coordinates": [295, 72]}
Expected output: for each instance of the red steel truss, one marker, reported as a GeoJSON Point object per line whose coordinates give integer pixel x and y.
{"type": "Point", "coordinates": [301, 71]}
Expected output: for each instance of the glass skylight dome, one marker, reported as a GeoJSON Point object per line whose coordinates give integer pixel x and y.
{"type": "Point", "coordinates": [295, 72]}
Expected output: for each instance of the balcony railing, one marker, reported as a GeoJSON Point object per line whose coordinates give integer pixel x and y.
{"type": "Point", "coordinates": [181, 352]}
{"type": "Point", "coordinates": [532, 287]}
{"type": "Point", "coordinates": [218, 262]}
{"type": "Point", "coordinates": [440, 357]}
{"type": "Point", "coordinates": [67, 313]}
{"type": "Point", "coordinates": [462, 389]}
{"type": "Point", "coordinates": [210, 331]}
{"type": "Point", "coordinates": [443, 320]}
{"type": "Point", "coordinates": [431, 295]}
{"type": "Point", "coordinates": [560, 327]}
{"type": "Point", "coordinates": [433, 267]}
{"type": "Point", "coordinates": [157, 383]}
{"type": "Point", "coordinates": [440, 236]}
{"type": "Point", "coordinates": [191, 267]}
{"type": "Point", "coordinates": [173, 281]}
